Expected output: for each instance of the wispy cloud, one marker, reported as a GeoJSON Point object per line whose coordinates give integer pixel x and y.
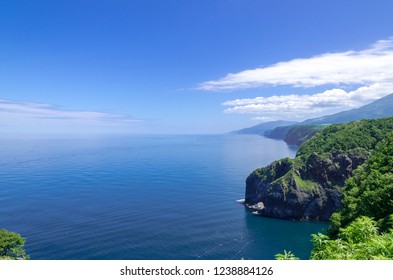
{"type": "Point", "coordinates": [30, 114]}
{"type": "Point", "coordinates": [369, 71]}
{"type": "Point", "coordinates": [264, 119]}
{"type": "Point", "coordinates": [297, 106]}
{"type": "Point", "coordinates": [373, 65]}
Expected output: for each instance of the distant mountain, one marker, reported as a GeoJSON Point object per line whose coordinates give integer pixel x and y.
{"type": "Point", "coordinates": [261, 128]}
{"type": "Point", "coordinates": [299, 133]}
{"type": "Point", "coordinates": [380, 108]}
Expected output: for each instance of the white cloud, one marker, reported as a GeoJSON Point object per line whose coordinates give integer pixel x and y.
{"type": "Point", "coordinates": [264, 119]}
{"type": "Point", "coordinates": [373, 65]}
{"type": "Point", "coordinates": [48, 117]}
{"type": "Point", "coordinates": [295, 106]}
{"type": "Point", "coordinates": [370, 71]}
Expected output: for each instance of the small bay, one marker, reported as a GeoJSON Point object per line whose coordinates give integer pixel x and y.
{"type": "Point", "coordinates": [142, 197]}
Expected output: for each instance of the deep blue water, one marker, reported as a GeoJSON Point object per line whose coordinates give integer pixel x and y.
{"type": "Point", "coordinates": [142, 197]}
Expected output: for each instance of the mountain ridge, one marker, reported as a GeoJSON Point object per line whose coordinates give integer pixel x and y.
{"type": "Point", "coordinates": [301, 132]}
{"type": "Point", "coordinates": [377, 109]}
{"type": "Point", "coordinates": [262, 128]}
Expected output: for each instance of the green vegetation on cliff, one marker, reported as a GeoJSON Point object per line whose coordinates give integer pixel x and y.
{"type": "Point", "coordinates": [309, 187]}
{"type": "Point", "coordinates": [363, 134]}
{"type": "Point", "coordinates": [11, 246]}
{"type": "Point", "coordinates": [362, 228]}
{"type": "Point", "coordinates": [370, 192]}
{"type": "Point", "coordinates": [360, 240]}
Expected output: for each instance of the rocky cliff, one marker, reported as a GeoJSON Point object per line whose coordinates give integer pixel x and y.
{"type": "Point", "coordinates": [294, 134]}
{"type": "Point", "coordinates": [308, 187]}
{"type": "Point", "coordinates": [289, 190]}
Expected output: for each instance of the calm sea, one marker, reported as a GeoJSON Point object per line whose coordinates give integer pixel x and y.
{"type": "Point", "coordinates": [142, 197]}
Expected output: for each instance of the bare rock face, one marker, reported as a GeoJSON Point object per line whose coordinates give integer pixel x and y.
{"type": "Point", "coordinates": [258, 182]}
{"type": "Point", "coordinates": [302, 188]}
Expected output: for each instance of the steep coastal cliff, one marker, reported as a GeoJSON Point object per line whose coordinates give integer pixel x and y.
{"type": "Point", "coordinates": [298, 133]}
{"type": "Point", "coordinates": [294, 134]}
{"type": "Point", "coordinates": [309, 186]}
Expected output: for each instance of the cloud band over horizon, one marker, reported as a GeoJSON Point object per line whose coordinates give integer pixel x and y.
{"type": "Point", "coordinates": [369, 71]}
{"type": "Point", "coordinates": [18, 113]}
{"type": "Point", "coordinates": [373, 65]}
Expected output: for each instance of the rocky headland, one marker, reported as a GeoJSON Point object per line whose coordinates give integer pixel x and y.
{"type": "Point", "coordinates": [309, 186]}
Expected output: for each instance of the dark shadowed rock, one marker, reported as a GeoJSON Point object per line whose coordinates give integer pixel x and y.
{"type": "Point", "coordinates": [310, 191]}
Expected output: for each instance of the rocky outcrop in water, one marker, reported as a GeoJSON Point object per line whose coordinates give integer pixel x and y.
{"type": "Point", "coordinates": [308, 190]}
{"type": "Point", "coordinates": [309, 186]}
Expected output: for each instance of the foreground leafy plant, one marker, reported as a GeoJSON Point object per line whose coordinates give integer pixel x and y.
{"type": "Point", "coordinates": [286, 256]}
{"type": "Point", "coordinates": [11, 246]}
{"type": "Point", "coordinates": [360, 240]}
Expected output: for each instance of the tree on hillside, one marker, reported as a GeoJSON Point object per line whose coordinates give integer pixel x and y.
{"type": "Point", "coordinates": [11, 246]}
{"type": "Point", "coordinates": [370, 192]}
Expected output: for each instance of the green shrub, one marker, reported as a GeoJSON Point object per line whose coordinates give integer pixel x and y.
{"type": "Point", "coordinates": [11, 246]}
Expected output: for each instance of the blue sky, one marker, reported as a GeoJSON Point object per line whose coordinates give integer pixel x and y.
{"type": "Point", "coordinates": [178, 66]}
